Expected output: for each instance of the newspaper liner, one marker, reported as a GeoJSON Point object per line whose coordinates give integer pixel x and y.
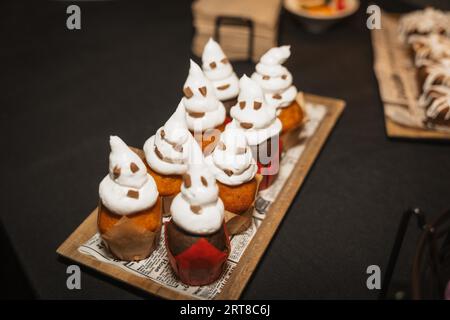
{"type": "Point", "coordinates": [157, 267]}
{"type": "Point", "coordinates": [397, 79]}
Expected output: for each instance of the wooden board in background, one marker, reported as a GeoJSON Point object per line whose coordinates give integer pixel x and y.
{"type": "Point", "coordinates": [395, 130]}
{"type": "Point", "coordinates": [396, 75]}
{"type": "Point", "coordinates": [258, 245]}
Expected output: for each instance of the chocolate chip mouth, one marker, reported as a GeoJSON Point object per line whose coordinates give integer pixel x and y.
{"type": "Point", "coordinates": [277, 96]}
{"type": "Point", "coordinates": [196, 115]}
{"type": "Point", "coordinates": [133, 194]}
{"type": "Point", "coordinates": [196, 209]}
{"type": "Point", "coordinates": [224, 87]}
{"type": "Point", "coordinates": [246, 125]}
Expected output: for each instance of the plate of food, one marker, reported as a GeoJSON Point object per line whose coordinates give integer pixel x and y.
{"type": "Point", "coordinates": [319, 15]}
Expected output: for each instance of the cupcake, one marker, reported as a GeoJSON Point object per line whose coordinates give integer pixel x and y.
{"type": "Point", "coordinates": [196, 237]}
{"type": "Point", "coordinates": [260, 126]}
{"type": "Point", "coordinates": [129, 213]}
{"type": "Point", "coordinates": [220, 72]}
{"type": "Point", "coordinates": [205, 114]}
{"type": "Point", "coordinates": [436, 103]}
{"type": "Point", "coordinates": [276, 82]}
{"type": "Point", "coordinates": [424, 22]}
{"type": "Point", "coordinates": [167, 153]}
{"type": "Point", "coordinates": [233, 165]}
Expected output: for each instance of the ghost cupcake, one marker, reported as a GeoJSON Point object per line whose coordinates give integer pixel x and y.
{"type": "Point", "coordinates": [167, 153]}
{"type": "Point", "coordinates": [260, 126]}
{"type": "Point", "coordinates": [219, 71]}
{"type": "Point", "coordinates": [276, 82]}
{"type": "Point", "coordinates": [196, 237]}
{"type": "Point", "coordinates": [235, 168]}
{"type": "Point", "coordinates": [205, 114]}
{"type": "Point", "coordinates": [129, 213]}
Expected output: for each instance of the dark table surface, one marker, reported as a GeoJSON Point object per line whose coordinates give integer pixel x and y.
{"type": "Point", "coordinates": [64, 92]}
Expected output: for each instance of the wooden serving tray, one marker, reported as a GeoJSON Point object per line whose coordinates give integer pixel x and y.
{"type": "Point", "coordinates": [256, 248]}
{"type": "Point", "coordinates": [396, 74]}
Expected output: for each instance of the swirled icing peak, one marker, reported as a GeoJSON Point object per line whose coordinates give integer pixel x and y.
{"type": "Point", "coordinates": [128, 188]}
{"type": "Point", "coordinates": [167, 151]}
{"type": "Point", "coordinates": [232, 160]}
{"type": "Point", "coordinates": [203, 108]}
{"type": "Point", "coordinates": [276, 55]}
{"type": "Point", "coordinates": [275, 79]}
{"type": "Point", "coordinates": [218, 69]}
{"type": "Point", "coordinates": [198, 208]}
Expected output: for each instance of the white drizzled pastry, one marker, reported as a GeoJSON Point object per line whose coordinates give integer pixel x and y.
{"type": "Point", "coordinates": [252, 114]}
{"type": "Point", "coordinates": [437, 74]}
{"type": "Point", "coordinates": [430, 49]}
{"type": "Point", "coordinates": [436, 103]}
{"type": "Point", "coordinates": [167, 151]}
{"type": "Point", "coordinates": [232, 161]}
{"type": "Point", "coordinates": [128, 188]}
{"type": "Point", "coordinates": [198, 208]}
{"type": "Point", "coordinates": [218, 69]}
{"type": "Point", "coordinates": [203, 109]}
{"type": "Point", "coordinates": [424, 22]}
{"type": "Point", "coordinates": [274, 78]}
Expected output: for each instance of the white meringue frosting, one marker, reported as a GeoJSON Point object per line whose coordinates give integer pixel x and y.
{"type": "Point", "coordinates": [232, 160]}
{"type": "Point", "coordinates": [275, 79]}
{"type": "Point", "coordinates": [167, 151]}
{"type": "Point", "coordinates": [218, 69]}
{"type": "Point", "coordinates": [252, 114]}
{"type": "Point", "coordinates": [203, 109]}
{"type": "Point", "coordinates": [198, 208]}
{"type": "Point", "coordinates": [128, 188]}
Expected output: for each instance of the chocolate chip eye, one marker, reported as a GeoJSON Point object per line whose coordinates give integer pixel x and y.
{"type": "Point", "coordinates": [133, 167]}
{"type": "Point", "coordinates": [242, 104]}
{"type": "Point", "coordinates": [224, 60]}
{"type": "Point", "coordinates": [266, 77]}
{"type": "Point", "coordinates": [188, 92]}
{"type": "Point", "coordinates": [116, 172]}
{"type": "Point", "coordinates": [203, 91]}
{"type": "Point", "coordinates": [187, 180]}
{"type": "Point", "coordinates": [257, 105]}
{"type": "Point", "coordinates": [284, 77]}
{"type": "Point", "coordinates": [204, 182]}
{"type": "Point", "coordinates": [213, 65]}
{"type": "Point", "coordinates": [162, 133]}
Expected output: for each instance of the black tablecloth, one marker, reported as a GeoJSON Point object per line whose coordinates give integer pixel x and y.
{"type": "Point", "coordinates": [64, 92]}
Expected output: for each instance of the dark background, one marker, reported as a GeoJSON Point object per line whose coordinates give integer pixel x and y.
{"type": "Point", "coordinates": [64, 92]}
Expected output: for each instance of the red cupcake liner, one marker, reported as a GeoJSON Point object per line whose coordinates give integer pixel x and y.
{"type": "Point", "coordinates": [200, 264]}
